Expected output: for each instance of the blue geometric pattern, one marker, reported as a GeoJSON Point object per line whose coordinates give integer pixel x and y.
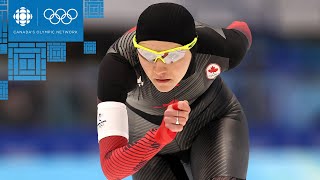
{"type": "Point", "coordinates": [56, 52]}
{"type": "Point", "coordinates": [3, 48]}
{"type": "Point", "coordinates": [89, 47]}
{"type": "Point", "coordinates": [3, 5]}
{"type": "Point", "coordinates": [27, 61]}
{"type": "Point", "coordinates": [3, 27]}
{"type": "Point", "coordinates": [93, 9]}
{"type": "Point", "coordinates": [3, 90]}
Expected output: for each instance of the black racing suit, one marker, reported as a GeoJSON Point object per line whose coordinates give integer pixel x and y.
{"type": "Point", "coordinates": [214, 142]}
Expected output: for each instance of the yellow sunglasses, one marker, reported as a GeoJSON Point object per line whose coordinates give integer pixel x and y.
{"type": "Point", "coordinates": [168, 56]}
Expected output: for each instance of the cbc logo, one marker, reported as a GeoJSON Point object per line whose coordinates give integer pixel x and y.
{"type": "Point", "coordinates": [22, 16]}
{"type": "Point", "coordinates": [60, 15]}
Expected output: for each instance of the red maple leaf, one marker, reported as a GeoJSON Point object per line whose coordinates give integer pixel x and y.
{"type": "Point", "coordinates": [213, 69]}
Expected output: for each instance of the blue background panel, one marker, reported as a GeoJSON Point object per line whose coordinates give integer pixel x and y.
{"type": "Point", "coordinates": [3, 90]}
{"type": "Point", "coordinates": [56, 52]}
{"type": "Point", "coordinates": [89, 47]}
{"type": "Point", "coordinates": [27, 61]}
{"type": "Point", "coordinates": [39, 28]}
{"type": "Point", "coordinates": [93, 9]}
{"type": "Point", "coordinates": [3, 29]}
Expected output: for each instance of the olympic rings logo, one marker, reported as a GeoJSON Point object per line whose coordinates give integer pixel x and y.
{"type": "Point", "coordinates": [60, 15]}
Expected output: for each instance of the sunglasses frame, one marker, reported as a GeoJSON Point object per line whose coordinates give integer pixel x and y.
{"type": "Point", "coordinates": [161, 53]}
